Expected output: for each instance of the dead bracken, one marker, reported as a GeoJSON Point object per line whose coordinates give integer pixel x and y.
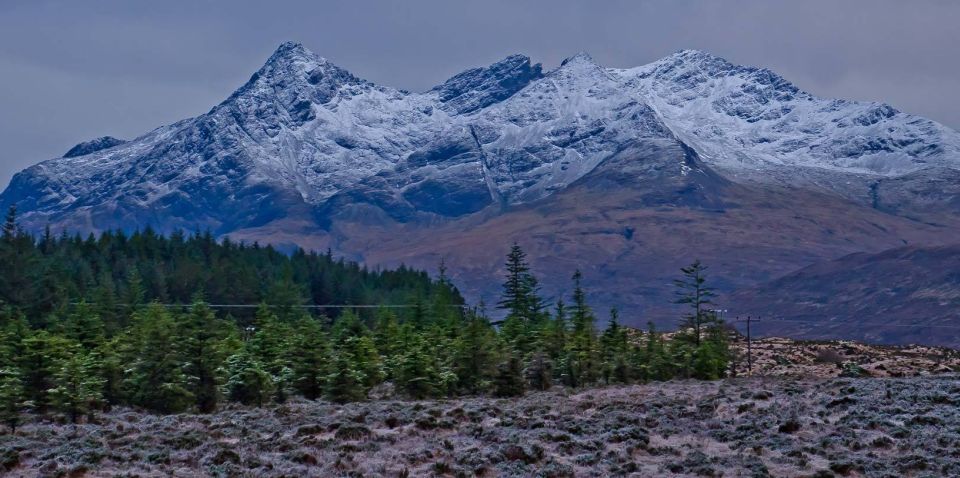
{"type": "Point", "coordinates": [761, 426]}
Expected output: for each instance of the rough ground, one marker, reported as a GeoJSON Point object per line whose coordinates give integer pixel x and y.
{"type": "Point", "coordinates": [774, 356]}
{"type": "Point", "coordinates": [735, 427]}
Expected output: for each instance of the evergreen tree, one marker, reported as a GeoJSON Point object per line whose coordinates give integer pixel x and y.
{"type": "Point", "coordinates": [43, 352]}
{"type": "Point", "coordinates": [693, 292]}
{"type": "Point", "coordinates": [508, 381]}
{"type": "Point", "coordinates": [582, 347]}
{"type": "Point", "coordinates": [84, 326]}
{"type": "Point", "coordinates": [10, 224]}
{"type": "Point", "coordinates": [200, 336]}
{"type": "Point", "coordinates": [309, 358]}
{"type": "Point", "coordinates": [516, 288]}
{"type": "Point", "coordinates": [521, 300]}
{"type": "Point", "coordinates": [12, 397]}
{"type": "Point", "coordinates": [134, 293]}
{"type": "Point", "coordinates": [78, 386]}
{"type": "Point", "coordinates": [112, 361]}
{"type": "Point", "coordinates": [713, 355]}
{"type": "Point", "coordinates": [247, 380]}
{"type": "Point", "coordinates": [345, 383]}
{"type": "Point", "coordinates": [416, 372]}
{"type": "Point", "coordinates": [614, 352]}
{"type": "Point", "coordinates": [156, 380]}
{"type": "Point", "coordinates": [270, 347]}
{"type": "Point", "coordinates": [555, 335]}
{"type": "Point", "coordinates": [475, 355]}
{"type": "Point", "coordinates": [352, 341]}
{"type": "Point", "coordinates": [538, 371]}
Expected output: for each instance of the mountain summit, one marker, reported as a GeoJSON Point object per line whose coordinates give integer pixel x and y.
{"type": "Point", "coordinates": [307, 153]}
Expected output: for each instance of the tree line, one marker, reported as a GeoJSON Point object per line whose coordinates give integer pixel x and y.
{"type": "Point", "coordinates": [82, 355]}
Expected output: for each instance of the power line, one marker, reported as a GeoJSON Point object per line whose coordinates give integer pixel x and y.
{"type": "Point", "coordinates": [875, 324]}
{"type": "Point", "coordinates": [307, 306]}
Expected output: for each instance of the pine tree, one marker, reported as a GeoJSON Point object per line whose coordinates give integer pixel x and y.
{"type": "Point", "coordinates": [112, 369]}
{"type": "Point", "coordinates": [387, 336]}
{"type": "Point", "coordinates": [270, 347]}
{"type": "Point", "coordinates": [309, 358]}
{"type": "Point", "coordinates": [10, 224]}
{"type": "Point", "coordinates": [521, 300]}
{"type": "Point", "coordinates": [135, 293]}
{"type": "Point", "coordinates": [614, 351]}
{"type": "Point", "coordinates": [508, 381]}
{"type": "Point", "coordinates": [711, 358]}
{"type": "Point", "coordinates": [555, 335]}
{"type": "Point", "coordinates": [416, 372]}
{"type": "Point", "coordinates": [345, 382]}
{"type": "Point", "coordinates": [516, 288]}
{"type": "Point", "coordinates": [78, 387]}
{"type": "Point", "coordinates": [105, 298]}
{"type": "Point", "coordinates": [538, 371]}
{"type": "Point", "coordinates": [84, 326]}
{"type": "Point", "coordinates": [475, 355]}
{"type": "Point", "coordinates": [352, 341]}
{"type": "Point", "coordinates": [12, 397]}
{"type": "Point", "coordinates": [247, 380]}
{"type": "Point", "coordinates": [42, 354]}
{"type": "Point", "coordinates": [693, 292]}
{"type": "Point", "coordinates": [582, 346]}
{"type": "Point", "coordinates": [157, 381]}
{"type": "Point", "coordinates": [200, 336]}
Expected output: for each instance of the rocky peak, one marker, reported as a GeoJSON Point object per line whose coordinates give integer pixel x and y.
{"type": "Point", "coordinates": [581, 58]}
{"type": "Point", "coordinates": [299, 74]}
{"type": "Point", "coordinates": [92, 146]}
{"type": "Point", "coordinates": [477, 88]}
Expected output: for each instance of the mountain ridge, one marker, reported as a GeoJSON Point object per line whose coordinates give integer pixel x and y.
{"type": "Point", "coordinates": [295, 85]}
{"type": "Point", "coordinates": [306, 153]}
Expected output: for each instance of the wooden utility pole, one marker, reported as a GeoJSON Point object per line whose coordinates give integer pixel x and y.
{"type": "Point", "coordinates": [749, 350]}
{"type": "Point", "coordinates": [749, 345]}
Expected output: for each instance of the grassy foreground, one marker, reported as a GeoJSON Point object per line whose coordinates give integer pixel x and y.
{"type": "Point", "coordinates": [732, 427]}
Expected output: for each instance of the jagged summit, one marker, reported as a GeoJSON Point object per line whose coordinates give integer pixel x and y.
{"type": "Point", "coordinates": [581, 57]}
{"type": "Point", "coordinates": [303, 130]}
{"type": "Point", "coordinates": [477, 88]}
{"type": "Point", "coordinates": [93, 146]}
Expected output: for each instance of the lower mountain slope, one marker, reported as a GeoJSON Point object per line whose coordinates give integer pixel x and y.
{"type": "Point", "coordinates": [901, 295]}
{"type": "Point", "coordinates": [629, 241]}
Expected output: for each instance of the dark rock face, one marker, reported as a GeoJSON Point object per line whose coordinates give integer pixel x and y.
{"type": "Point", "coordinates": [443, 178]}
{"type": "Point", "coordinates": [480, 87]}
{"type": "Point", "coordinates": [93, 146]}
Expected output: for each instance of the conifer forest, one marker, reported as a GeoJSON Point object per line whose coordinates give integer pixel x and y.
{"type": "Point", "coordinates": [187, 323]}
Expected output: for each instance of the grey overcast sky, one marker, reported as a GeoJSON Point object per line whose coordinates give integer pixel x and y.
{"type": "Point", "coordinates": [71, 71]}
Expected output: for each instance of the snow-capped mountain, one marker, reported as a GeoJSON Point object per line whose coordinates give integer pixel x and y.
{"type": "Point", "coordinates": [303, 131]}
{"type": "Point", "coordinates": [627, 174]}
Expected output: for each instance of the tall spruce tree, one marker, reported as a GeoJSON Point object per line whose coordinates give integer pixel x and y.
{"type": "Point", "coordinates": [12, 397]}
{"type": "Point", "coordinates": [270, 346]}
{"type": "Point", "coordinates": [156, 380]}
{"type": "Point", "coordinates": [247, 380]}
{"type": "Point", "coordinates": [200, 334]}
{"type": "Point", "coordinates": [309, 358]}
{"type": "Point", "coordinates": [78, 385]}
{"type": "Point", "coordinates": [692, 291]}
{"type": "Point", "coordinates": [475, 355]}
{"type": "Point", "coordinates": [582, 346]}
{"type": "Point", "coordinates": [614, 351]}
{"type": "Point", "coordinates": [520, 299]}
{"type": "Point", "coordinates": [345, 382]}
{"type": "Point", "coordinates": [43, 353]}
{"type": "Point", "coordinates": [509, 380]}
